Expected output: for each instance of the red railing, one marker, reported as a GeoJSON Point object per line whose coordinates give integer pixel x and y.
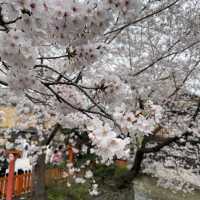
{"type": "Point", "coordinates": [22, 182]}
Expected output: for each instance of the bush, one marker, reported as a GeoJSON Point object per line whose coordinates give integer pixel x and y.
{"type": "Point", "coordinates": [78, 192]}
{"type": "Point", "coordinates": [103, 171]}
{"type": "Point", "coordinates": [62, 192]}
{"type": "Point", "coordinates": [62, 165]}
{"type": "Point", "coordinates": [56, 192]}
{"type": "Point", "coordinates": [119, 171]}
{"type": "Point", "coordinates": [81, 159]}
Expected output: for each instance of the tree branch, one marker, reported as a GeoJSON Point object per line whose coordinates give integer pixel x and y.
{"type": "Point", "coordinates": [3, 83]}
{"type": "Point", "coordinates": [142, 18]}
{"type": "Point", "coordinates": [167, 142]}
{"type": "Point", "coordinates": [53, 134]}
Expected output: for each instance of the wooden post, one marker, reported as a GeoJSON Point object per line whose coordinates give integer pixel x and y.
{"type": "Point", "coordinates": [3, 183]}
{"type": "Point", "coordinates": [29, 181]}
{"type": "Point", "coordinates": [10, 184]}
{"type": "Point", "coordinates": [70, 153]}
{"type": "Point", "coordinates": [25, 182]}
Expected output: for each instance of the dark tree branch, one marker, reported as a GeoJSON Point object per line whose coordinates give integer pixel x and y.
{"type": "Point", "coordinates": [3, 83]}
{"type": "Point", "coordinates": [167, 142]}
{"type": "Point", "coordinates": [52, 57]}
{"type": "Point", "coordinates": [184, 80]}
{"type": "Point", "coordinates": [53, 134]}
{"type": "Point", "coordinates": [196, 112]}
{"type": "Point", "coordinates": [4, 23]}
{"type": "Point", "coordinates": [165, 56]}
{"type": "Point", "coordinates": [142, 18]}
{"type": "Point", "coordinates": [69, 82]}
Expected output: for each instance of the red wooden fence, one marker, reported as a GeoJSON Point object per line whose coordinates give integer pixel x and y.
{"type": "Point", "coordinates": [22, 182]}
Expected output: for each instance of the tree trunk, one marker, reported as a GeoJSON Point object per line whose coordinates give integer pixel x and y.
{"type": "Point", "coordinates": [38, 180]}
{"type": "Point", "coordinates": [126, 180]}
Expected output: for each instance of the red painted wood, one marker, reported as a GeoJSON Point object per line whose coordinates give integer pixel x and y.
{"type": "Point", "coordinates": [10, 184]}
{"type": "Point", "coordinates": [70, 153]}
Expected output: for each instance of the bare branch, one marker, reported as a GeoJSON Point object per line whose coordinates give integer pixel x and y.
{"type": "Point", "coordinates": [3, 83]}
{"type": "Point", "coordinates": [118, 30]}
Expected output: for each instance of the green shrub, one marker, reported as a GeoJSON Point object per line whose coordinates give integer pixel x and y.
{"type": "Point", "coordinates": [103, 171]}
{"type": "Point", "coordinates": [81, 159]}
{"type": "Point", "coordinates": [120, 170]}
{"type": "Point", "coordinates": [62, 192]}
{"type": "Point", "coordinates": [56, 192]}
{"type": "Point", "coordinates": [78, 192]}
{"type": "Point", "coordinates": [62, 165]}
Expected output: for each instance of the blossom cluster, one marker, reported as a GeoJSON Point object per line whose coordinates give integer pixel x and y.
{"type": "Point", "coordinates": [47, 23]}
{"type": "Point", "coordinates": [122, 5]}
{"type": "Point", "coordinates": [139, 122]}
{"type": "Point", "coordinates": [106, 142]}
{"type": "Point", "coordinates": [112, 88]}
{"type": "Point", "coordinates": [86, 54]}
{"type": "Point", "coordinates": [70, 95]}
{"type": "Point", "coordinates": [76, 24]}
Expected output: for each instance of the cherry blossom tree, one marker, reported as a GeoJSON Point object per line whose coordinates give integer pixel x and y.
{"type": "Point", "coordinates": [162, 64]}
{"type": "Point", "coordinates": [116, 69]}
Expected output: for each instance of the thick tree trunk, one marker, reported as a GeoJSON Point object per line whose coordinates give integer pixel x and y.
{"type": "Point", "coordinates": [38, 180]}
{"type": "Point", "coordinates": [126, 180]}
{"type": "Point", "coordinates": [38, 174]}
